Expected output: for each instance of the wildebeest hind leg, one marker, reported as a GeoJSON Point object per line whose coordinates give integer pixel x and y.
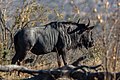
{"type": "Point", "coordinates": [18, 57]}
{"type": "Point", "coordinates": [22, 56]}
{"type": "Point", "coordinates": [15, 58]}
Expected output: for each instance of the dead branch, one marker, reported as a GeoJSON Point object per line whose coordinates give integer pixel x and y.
{"type": "Point", "coordinates": [78, 72]}
{"type": "Point", "coordinates": [53, 74]}
{"type": "Point", "coordinates": [9, 68]}
{"type": "Point", "coordinates": [75, 71]}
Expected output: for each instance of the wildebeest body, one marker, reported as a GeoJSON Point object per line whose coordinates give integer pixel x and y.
{"type": "Point", "coordinates": [53, 37]}
{"type": "Point", "coordinates": [41, 40]}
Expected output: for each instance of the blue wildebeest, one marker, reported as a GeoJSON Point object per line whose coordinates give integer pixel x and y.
{"type": "Point", "coordinates": [53, 37]}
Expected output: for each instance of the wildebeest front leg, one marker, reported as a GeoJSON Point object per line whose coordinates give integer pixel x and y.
{"type": "Point", "coordinates": [58, 59]}
{"type": "Point", "coordinates": [63, 54]}
{"type": "Point", "coordinates": [64, 57]}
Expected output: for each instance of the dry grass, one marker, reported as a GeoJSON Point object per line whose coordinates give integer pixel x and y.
{"type": "Point", "coordinates": [107, 35]}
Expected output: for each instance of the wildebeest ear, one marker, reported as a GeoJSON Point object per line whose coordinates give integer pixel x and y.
{"type": "Point", "coordinates": [90, 28]}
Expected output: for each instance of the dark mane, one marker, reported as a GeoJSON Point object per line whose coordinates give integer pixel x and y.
{"type": "Point", "coordinates": [69, 23]}
{"type": "Point", "coordinates": [57, 24]}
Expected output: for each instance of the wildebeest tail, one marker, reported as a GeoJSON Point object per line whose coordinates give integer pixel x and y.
{"type": "Point", "coordinates": [16, 39]}
{"type": "Point", "coordinates": [14, 59]}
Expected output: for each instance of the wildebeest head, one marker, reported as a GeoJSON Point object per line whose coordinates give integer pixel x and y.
{"type": "Point", "coordinates": [86, 38]}
{"type": "Point", "coordinates": [84, 33]}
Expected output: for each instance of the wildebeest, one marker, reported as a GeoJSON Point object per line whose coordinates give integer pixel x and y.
{"type": "Point", "coordinates": [56, 37]}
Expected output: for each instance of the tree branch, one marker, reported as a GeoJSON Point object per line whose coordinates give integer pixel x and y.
{"type": "Point", "coordinates": [81, 72]}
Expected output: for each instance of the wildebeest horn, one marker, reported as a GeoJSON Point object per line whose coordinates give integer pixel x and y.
{"type": "Point", "coordinates": [88, 22]}
{"type": "Point", "coordinates": [90, 28]}
{"type": "Point", "coordinates": [78, 21]}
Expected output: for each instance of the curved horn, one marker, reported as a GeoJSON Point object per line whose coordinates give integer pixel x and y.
{"type": "Point", "coordinates": [88, 22]}
{"type": "Point", "coordinates": [78, 21]}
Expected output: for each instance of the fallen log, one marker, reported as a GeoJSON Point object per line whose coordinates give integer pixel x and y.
{"type": "Point", "coordinates": [75, 71]}
{"type": "Point", "coordinates": [71, 71]}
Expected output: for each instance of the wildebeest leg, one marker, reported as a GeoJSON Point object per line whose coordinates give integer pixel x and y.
{"type": "Point", "coordinates": [15, 58]}
{"type": "Point", "coordinates": [36, 59]}
{"type": "Point", "coordinates": [63, 54]}
{"type": "Point", "coordinates": [58, 60]}
{"type": "Point", "coordinates": [18, 57]}
{"type": "Point", "coordinates": [21, 58]}
{"type": "Point", "coordinates": [64, 57]}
